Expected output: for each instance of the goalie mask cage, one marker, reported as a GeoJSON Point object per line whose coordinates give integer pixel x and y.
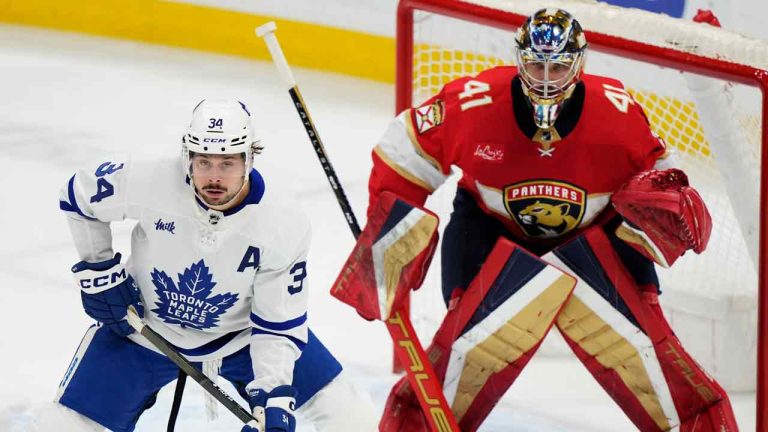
{"type": "Point", "coordinates": [703, 90]}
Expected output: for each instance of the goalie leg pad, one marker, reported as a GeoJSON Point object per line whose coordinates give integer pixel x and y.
{"type": "Point", "coordinates": [487, 339]}
{"type": "Point", "coordinates": [496, 328]}
{"type": "Point", "coordinates": [618, 331]}
{"type": "Point", "coordinates": [712, 419]}
{"type": "Point", "coordinates": [402, 412]}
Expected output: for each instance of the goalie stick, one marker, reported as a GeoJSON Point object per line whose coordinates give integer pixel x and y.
{"type": "Point", "coordinates": [166, 348]}
{"type": "Point", "coordinates": [407, 346]}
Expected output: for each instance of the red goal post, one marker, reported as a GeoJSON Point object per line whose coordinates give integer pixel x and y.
{"type": "Point", "coordinates": [628, 34]}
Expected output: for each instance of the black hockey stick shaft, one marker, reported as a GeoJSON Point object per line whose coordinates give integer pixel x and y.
{"type": "Point", "coordinates": [266, 32]}
{"type": "Point", "coordinates": [165, 347]}
{"type": "Point", "coordinates": [330, 173]}
{"type": "Point", "coordinates": [181, 380]}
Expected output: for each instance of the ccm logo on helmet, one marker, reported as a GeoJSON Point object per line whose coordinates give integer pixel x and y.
{"type": "Point", "coordinates": [214, 140]}
{"type": "Point", "coordinates": [103, 281]}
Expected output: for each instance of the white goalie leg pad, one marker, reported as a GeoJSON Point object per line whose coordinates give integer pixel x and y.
{"type": "Point", "coordinates": [341, 406]}
{"type": "Point", "coordinates": [46, 417]}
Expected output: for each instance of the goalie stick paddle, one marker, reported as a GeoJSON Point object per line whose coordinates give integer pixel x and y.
{"type": "Point", "coordinates": [166, 348]}
{"type": "Point", "coordinates": [408, 349]}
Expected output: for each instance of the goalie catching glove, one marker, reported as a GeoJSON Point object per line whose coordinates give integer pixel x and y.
{"type": "Point", "coordinates": [663, 215]}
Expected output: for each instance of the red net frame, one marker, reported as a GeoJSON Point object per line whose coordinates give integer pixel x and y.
{"type": "Point", "coordinates": [638, 51]}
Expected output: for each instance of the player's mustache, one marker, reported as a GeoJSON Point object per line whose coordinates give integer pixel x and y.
{"type": "Point", "coordinates": [213, 187]}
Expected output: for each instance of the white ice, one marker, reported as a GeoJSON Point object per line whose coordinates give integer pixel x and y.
{"type": "Point", "coordinates": [69, 100]}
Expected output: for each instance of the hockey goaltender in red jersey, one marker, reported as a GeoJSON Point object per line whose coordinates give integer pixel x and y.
{"type": "Point", "coordinates": [565, 166]}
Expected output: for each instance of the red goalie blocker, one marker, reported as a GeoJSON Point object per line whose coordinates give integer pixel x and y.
{"type": "Point", "coordinates": [390, 258]}
{"type": "Point", "coordinates": [668, 215]}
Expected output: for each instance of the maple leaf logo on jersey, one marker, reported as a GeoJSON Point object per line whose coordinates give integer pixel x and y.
{"type": "Point", "coordinates": [545, 208]}
{"type": "Point", "coordinates": [189, 303]}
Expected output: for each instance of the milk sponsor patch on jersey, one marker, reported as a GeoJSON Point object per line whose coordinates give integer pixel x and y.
{"type": "Point", "coordinates": [189, 303]}
{"type": "Point", "coordinates": [545, 208]}
{"type": "Point", "coordinates": [429, 116]}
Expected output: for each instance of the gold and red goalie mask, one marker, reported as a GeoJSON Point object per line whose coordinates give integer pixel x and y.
{"type": "Point", "coordinates": [549, 50]}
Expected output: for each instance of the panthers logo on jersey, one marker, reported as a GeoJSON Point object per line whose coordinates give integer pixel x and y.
{"type": "Point", "coordinates": [545, 208]}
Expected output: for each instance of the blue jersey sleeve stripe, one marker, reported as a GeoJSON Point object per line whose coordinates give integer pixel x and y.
{"type": "Point", "coordinates": [278, 326]}
{"type": "Point", "coordinates": [72, 206]}
{"type": "Point", "coordinates": [298, 342]}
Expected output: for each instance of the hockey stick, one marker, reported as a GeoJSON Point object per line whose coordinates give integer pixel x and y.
{"type": "Point", "coordinates": [408, 349]}
{"type": "Point", "coordinates": [181, 381]}
{"type": "Point", "coordinates": [166, 348]}
{"type": "Point", "coordinates": [267, 31]}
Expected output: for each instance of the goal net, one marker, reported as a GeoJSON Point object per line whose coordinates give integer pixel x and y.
{"type": "Point", "coordinates": [700, 87]}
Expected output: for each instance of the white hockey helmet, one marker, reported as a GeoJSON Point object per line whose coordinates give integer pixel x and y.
{"type": "Point", "coordinates": [221, 127]}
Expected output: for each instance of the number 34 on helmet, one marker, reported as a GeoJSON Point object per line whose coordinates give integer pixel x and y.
{"type": "Point", "coordinates": [220, 127]}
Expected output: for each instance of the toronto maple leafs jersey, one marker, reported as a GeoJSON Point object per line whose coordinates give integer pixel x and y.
{"type": "Point", "coordinates": [543, 185]}
{"type": "Point", "coordinates": [211, 282]}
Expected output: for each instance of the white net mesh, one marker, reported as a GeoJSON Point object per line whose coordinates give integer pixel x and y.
{"type": "Point", "coordinates": [716, 286]}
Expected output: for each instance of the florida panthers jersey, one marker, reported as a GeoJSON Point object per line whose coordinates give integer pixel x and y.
{"type": "Point", "coordinates": [542, 184]}
{"type": "Point", "coordinates": [211, 282]}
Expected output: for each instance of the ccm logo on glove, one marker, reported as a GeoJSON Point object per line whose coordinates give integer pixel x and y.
{"type": "Point", "coordinates": [93, 278]}
{"type": "Point", "coordinates": [100, 283]}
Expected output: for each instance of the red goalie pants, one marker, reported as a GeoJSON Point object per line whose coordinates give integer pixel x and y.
{"type": "Point", "coordinates": [611, 320]}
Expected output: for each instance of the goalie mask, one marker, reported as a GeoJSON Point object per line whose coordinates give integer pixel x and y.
{"type": "Point", "coordinates": [220, 127]}
{"type": "Point", "coordinates": [549, 49]}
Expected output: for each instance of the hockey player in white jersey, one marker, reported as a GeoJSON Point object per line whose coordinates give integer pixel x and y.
{"type": "Point", "coordinates": [218, 267]}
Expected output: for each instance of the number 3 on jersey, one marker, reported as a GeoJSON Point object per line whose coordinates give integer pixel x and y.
{"type": "Point", "coordinates": [299, 273]}
{"type": "Point", "coordinates": [104, 188]}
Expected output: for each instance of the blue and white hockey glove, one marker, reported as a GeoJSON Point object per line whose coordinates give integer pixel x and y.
{"type": "Point", "coordinates": [107, 290]}
{"type": "Point", "coordinates": [274, 409]}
